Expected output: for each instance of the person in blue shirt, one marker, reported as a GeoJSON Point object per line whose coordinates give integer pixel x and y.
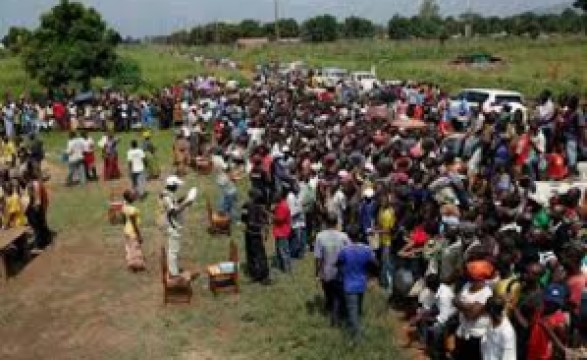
{"type": "Point", "coordinates": [354, 261]}
{"type": "Point", "coordinates": [367, 211]}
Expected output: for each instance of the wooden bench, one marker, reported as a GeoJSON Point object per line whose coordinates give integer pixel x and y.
{"type": "Point", "coordinates": [10, 238]}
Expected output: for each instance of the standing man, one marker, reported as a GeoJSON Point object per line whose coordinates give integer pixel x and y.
{"type": "Point", "coordinates": [136, 165]}
{"type": "Point", "coordinates": [328, 245]}
{"type": "Point", "coordinates": [254, 216]}
{"type": "Point", "coordinates": [298, 224]}
{"type": "Point", "coordinates": [282, 232]}
{"type": "Point", "coordinates": [354, 261]}
{"type": "Point", "coordinates": [75, 158]}
{"type": "Point", "coordinates": [500, 341]}
{"type": "Point", "coordinates": [89, 157]}
{"type": "Point", "coordinates": [173, 211]}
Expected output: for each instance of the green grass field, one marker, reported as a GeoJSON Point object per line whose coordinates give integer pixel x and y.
{"type": "Point", "coordinates": [531, 65]}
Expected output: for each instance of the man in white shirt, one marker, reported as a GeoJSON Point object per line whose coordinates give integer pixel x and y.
{"type": "Point", "coordinates": [473, 320]}
{"type": "Point", "coordinates": [435, 319]}
{"type": "Point", "coordinates": [499, 342]}
{"type": "Point", "coordinates": [136, 165]}
{"type": "Point", "coordinates": [298, 223]}
{"type": "Point", "coordinates": [75, 158]}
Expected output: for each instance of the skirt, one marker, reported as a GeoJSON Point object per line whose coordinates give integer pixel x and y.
{"type": "Point", "coordinates": [135, 259]}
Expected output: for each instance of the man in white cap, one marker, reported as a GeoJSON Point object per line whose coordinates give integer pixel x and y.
{"type": "Point", "coordinates": [173, 210]}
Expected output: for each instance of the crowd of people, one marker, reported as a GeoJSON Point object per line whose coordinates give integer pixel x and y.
{"type": "Point", "coordinates": [457, 234]}
{"type": "Point", "coordinates": [24, 198]}
{"type": "Point", "coordinates": [486, 266]}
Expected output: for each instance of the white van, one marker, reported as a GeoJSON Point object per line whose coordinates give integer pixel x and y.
{"type": "Point", "coordinates": [489, 100]}
{"type": "Point", "coordinates": [364, 79]}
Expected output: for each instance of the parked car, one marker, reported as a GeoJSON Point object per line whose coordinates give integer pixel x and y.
{"type": "Point", "coordinates": [330, 77]}
{"type": "Point", "coordinates": [489, 100]}
{"type": "Point", "coordinates": [364, 80]}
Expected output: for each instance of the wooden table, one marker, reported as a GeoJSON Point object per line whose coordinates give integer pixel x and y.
{"type": "Point", "coordinates": [9, 237]}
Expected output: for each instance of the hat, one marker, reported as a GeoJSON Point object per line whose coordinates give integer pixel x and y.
{"type": "Point", "coordinates": [480, 270]}
{"type": "Point", "coordinates": [556, 294]}
{"type": "Point", "coordinates": [368, 193]}
{"type": "Point", "coordinates": [173, 180]}
{"type": "Point", "coordinates": [146, 134]}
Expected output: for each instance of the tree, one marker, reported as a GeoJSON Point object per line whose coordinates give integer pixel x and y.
{"type": "Point", "coordinates": [250, 29]}
{"type": "Point", "coordinates": [320, 28]}
{"type": "Point", "coordinates": [72, 44]}
{"type": "Point", "coordinates": [581, 5]}
{"type": "Point", "coordinates": [288, 28]}
{"type": "Point", "coordinates": [429, 9]}
{"type": "Point", "coordinates": [399, 28]}
{"type": "Point", "coordinates": [126, 73]}
{"type": "Point", "coordinates": [16, 39]}
{"type": "Point", "coordinates": [356, 27]}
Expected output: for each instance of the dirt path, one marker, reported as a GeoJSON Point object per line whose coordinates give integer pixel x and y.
{"type": "Point", "coordinates": [77, 301]}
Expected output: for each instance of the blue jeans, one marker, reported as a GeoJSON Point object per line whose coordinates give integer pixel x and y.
{"type": "Point", "coordinates": [76, 167]}
{"type": "Point", "coordinates": [298, 243]}
{"type": "Point", "coordinates": [138, 182]}
{"type": "Point", "coordinates": [228, 205]}
{"type": "Point", "coordinates": [354, 308]}
{"type": "Point", "coordinates": [571, 150]}
{"type": "Point", "coordinates": [282, 254]}
{"type": "Point", "coordinates": [387, 268]}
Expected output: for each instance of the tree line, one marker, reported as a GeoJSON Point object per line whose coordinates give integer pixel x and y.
{"type": "Point", "coordinates": [428, 24]}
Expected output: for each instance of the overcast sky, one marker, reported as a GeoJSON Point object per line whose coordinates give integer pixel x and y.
{"type": "Point", "coordinates": [157, 17]}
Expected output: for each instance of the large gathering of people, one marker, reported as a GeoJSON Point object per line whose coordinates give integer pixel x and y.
{"type": "Point", "coordinates": [442, 209]}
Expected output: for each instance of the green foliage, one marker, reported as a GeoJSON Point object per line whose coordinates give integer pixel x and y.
{"type": "Point", "coordinates": [126, 74]}
{"type": "Point", "coordinates": [581, 4]}
{"type": "Point", "coordinates": [72, 44]}
{"type": "Point", "coordinates": [16, 39]}
{"type": "Point", "coordinates": [429, 9]}
{"type": "Point", "coordinates": [356, 27]}
{"type": "Point", "coordinates": [288, 28]}
{"type": "Point", "coordinates": [320, 28]}
{"type": "Point", "coordinates": [250, 29]}
{"type": "Point", "coordinates": [399, 28]}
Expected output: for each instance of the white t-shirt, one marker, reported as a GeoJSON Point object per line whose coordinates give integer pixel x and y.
{"type": "Point", "coordinates": [474, 328]}
{"type": "Point", "coordinates": [75, 149]}
{"type": "Point", "coordinates": [500, 342]}
{"type": "Point", "coordinates": [89, 145]}
{"type": "Point", "coordinates": [136, 158]}
{"type": "Point", "coordinates": [443, 299]}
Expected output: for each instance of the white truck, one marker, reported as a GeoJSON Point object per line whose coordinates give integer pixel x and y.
{"type": "Point", "coordinates": [364, 80]}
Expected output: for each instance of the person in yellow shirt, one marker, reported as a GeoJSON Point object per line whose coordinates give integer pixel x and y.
{"type": "Point", "coordinates": [132, 234]}
{"type": "Point", "coordinates": [13, 211]}
{"type": "Point", "coordinates": [385, 224]}
{"type": "Point", "coordinates": [7, 152]}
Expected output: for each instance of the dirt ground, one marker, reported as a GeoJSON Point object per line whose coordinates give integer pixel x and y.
{"type": "Point", "coordinates": [77, 301]}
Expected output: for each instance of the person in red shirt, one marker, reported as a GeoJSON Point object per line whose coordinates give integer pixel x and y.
{"type": "Point", "coordinates": [548, 331]}
{"type": "Point", "coordinates": [282, 231]}
{"type": "Point", "coordinates": [60, 115]}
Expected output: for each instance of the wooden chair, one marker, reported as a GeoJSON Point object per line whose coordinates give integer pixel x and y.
{"type": "Point", "coordinates": [115, 205]}
{"type": "Point", "coordinates": [224, 277]}
{"type": "Point", "coordinates": [174, 292]}
{"type": "Point", "coordinates": [217, 223]}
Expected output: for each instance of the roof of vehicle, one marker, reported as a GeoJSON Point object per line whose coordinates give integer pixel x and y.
{"type": "Point", "coordinates": [334, 70]}
{"type": "Point", "coordinates": [362, 73]}
{"type": "Point", "coordinates": [493, 91]}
